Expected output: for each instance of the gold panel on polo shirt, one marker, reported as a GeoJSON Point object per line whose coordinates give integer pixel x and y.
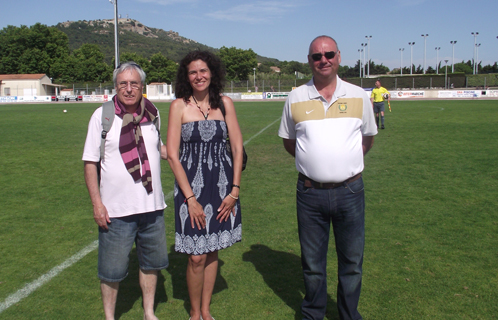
{"type": "Point", "coordinates": [313, 110]}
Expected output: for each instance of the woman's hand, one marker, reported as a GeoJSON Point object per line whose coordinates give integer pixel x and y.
{"type": "Point", "coordinates": [227, 206]}
{"type": "Point", "coordinates": [196, 213]}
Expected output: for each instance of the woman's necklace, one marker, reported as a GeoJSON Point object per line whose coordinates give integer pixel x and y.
{"type": "Point", "coordinates": [208, 108]}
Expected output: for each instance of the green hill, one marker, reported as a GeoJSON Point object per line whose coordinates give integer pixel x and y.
{"type": "Point", "coordinates": [133, 37]}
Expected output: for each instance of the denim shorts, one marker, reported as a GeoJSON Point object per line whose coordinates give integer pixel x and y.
{"type": "Point", "coordinates": [146, 230]}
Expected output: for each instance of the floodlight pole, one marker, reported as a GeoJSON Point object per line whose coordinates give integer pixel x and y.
{"type": "Point", "coordinates": [116, 37]}
{"type": "Point", "coordinates": [359, 61]}
{"type": "Point", "coordinates": [411, 56]}
{"type": "Point", "coordinates": [475, 34]}
{"type": "Point", "coordinates": [401, 59]}
{"type": "Point", "coordinates": [437, 59]}
{"type": "Point", "coordinates": [477, 58]}
{"type": "Point", "coordinates": [425, 48]}
{"type": "Point", "coordinates": [446, 74]}
{"type": "Point", "coordinates": [364, 51]}
{"type": "Point", "coordinates": [254, 70]}
{"type": "Point", "coordinates": [368, 60]}
{"type": "Point", "coordinates": [453, 57]}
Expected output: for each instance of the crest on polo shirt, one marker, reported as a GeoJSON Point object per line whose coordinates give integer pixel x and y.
{"type": "Point", "coordinates": [346, 108]}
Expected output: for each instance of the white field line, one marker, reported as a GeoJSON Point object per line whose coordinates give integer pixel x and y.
{"type": "Point", "coordinates": [30, 287]}
{"type": "Point", "coordinates": [262, 130]}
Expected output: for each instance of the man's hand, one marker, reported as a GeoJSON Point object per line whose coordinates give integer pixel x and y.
{"type": "Point", "coordinates": [101, 216]}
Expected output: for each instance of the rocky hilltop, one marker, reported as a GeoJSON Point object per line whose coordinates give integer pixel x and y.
{"type": "Point", "coordinates": [134, 37]}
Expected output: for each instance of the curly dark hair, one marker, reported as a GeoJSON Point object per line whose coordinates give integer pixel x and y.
{"type": "Point", "coordinates": [183, 89]}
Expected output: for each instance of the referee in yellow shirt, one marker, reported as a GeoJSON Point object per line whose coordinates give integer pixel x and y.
{"type": "Point", "coordinates": [379, 94]}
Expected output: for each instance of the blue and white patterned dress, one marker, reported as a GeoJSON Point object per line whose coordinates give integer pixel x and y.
{"type": "Point", "coordinates": [209, 170]}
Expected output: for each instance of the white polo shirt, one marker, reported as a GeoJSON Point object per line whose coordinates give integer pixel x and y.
{"type": "Point", "coordinates": [328, 135]}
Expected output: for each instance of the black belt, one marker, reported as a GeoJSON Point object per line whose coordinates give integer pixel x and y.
{"type": "Point", "coordinates": [309, 183]}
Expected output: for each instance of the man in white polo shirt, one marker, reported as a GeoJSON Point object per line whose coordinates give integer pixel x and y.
{"type": "Point", "coordinates": [328, 126]}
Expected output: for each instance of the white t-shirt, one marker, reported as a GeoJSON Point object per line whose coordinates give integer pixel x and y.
{"type": "Point", "coordinates": [328, 135]}
{"type": "Point", "coordinates": [120, 194]}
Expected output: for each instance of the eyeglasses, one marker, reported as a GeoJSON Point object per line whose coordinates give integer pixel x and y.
{"type": "Point", "coordinates": [133, 84]}
{"type": "Point", "coordinates": [328, 55]}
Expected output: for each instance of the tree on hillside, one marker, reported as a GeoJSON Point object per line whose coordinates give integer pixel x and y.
{"type": "Point", "coordinates": [290, 67]}
{"type": "Point", "coordinates": [162, 69]}
{"type": "Point", "coordinates": [490, 68]}
{"type": "Point", "coordinates": [375, 69]}
{"type": "Point", "coordinates": [141, 61]}
{"type": "Point", "coordinates": [463, 67]}
{"type": "Point", "coordinates": [239, 63]}
{"type": "Point", "coordinates": [85, 64]}
{"type": "Point", "coordinates": [430, 70]}
{"type": "Point", "coordinates": [32, 50]}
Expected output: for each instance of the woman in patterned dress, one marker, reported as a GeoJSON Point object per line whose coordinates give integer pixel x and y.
{"type": "Point", "coordinates": [207, 179]}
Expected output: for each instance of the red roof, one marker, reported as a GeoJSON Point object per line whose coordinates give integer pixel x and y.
{"type": "Point", "coordinates": [37, 76]}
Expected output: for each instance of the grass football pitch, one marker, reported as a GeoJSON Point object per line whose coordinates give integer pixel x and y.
{"type": "Point", "coordinates": [431, 220]}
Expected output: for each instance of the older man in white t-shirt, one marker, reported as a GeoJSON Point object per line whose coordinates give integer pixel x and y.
{"type": "Point", "coordinates": [129, 205]}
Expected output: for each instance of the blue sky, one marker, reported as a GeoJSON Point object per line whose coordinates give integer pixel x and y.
{"type": "Point", "coordinates": [283, 29]}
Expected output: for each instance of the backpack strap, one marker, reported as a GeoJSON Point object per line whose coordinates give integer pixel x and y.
{"type": "Point", "coordinates": [107, 119]}
{"type": "Point", "coordinates": [157, 123]}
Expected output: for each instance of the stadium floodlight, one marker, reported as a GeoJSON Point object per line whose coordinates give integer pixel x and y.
{"type": "Point", "coordinates": [453, 57]}
{"type": "Point", "coordinates": [425, 48]}
{"type": "Point", "coordinates": [368, 57]}
{"type": "Point", "coordinates": [411, 44]}
{"type": "Point", "coordinates": [475, 34]}
{"type": "Point", "coordinates": [401, 60]}
{"type": "Point", "coordinates": [116, 41]}
{"type": "Point", "coordinates": [437, 59]}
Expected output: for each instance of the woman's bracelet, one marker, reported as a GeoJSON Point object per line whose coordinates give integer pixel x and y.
{"type": "Point", "coordinates": [186, 199]}
{"type": "Point", "coordinates": [235, 198]}
{"type": "Point", "coordinates": [235, 186]}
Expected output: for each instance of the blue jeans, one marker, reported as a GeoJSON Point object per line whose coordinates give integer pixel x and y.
{"type": "Point", "coordinates": [147, 230]}
{"type": "Point", "coordinates": [345, 208]}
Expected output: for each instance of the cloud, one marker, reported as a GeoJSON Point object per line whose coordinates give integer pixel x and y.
{"type": "Point", "coordinates": [256, 12]}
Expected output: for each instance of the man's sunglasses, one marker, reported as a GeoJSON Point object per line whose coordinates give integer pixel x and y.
{"type": "Point", "coordinates": [328, 55]}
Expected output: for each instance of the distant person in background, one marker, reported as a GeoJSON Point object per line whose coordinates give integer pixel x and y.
{"type": "Point", "coordinates": [129, 204]}
{"type": "Point", "coordinates": [378, 96]}
{"type": "Point", "coordinates": [328, 126]}
{"type": "Point", "coordinates": [207, 185]}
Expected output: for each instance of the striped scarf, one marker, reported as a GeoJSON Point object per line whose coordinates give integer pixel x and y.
{"type": "Point", "coordinates": [131, 142]}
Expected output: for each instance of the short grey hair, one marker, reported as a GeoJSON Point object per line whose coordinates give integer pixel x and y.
{"type": "Point", "coordinates": [125, 66]}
